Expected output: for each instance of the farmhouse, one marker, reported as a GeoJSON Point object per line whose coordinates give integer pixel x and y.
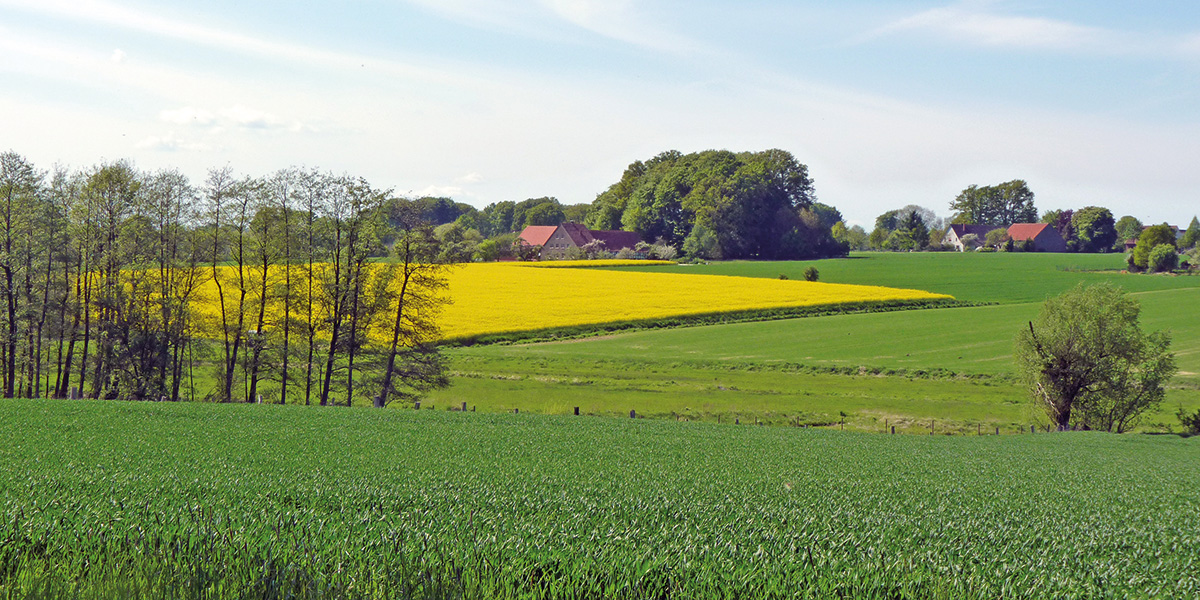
{"type": "Point", "coordinates": [558, 242]}
{"type": "Point", "coordinates": [1044, 237]}
{"type": "Point", "coordinates": [956, 233]}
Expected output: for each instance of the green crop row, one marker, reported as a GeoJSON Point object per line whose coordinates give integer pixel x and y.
{"type": "Point", "coordinates": [104, 499]}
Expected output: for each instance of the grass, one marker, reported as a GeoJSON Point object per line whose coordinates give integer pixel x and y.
{"type": "Point", "coordinates": [971, 276]}
{"type": "Point", "coordinates": [952, 364]}
{"type": "Point", "coordinates": [109, 499]}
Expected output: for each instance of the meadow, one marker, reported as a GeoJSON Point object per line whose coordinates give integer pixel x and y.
{"type": "Point", "coordinates": [152, 500]}
{"type": "Point", "coordinates": [1003, 277]}
{"type": "Point", "coordinates": [910, 367]}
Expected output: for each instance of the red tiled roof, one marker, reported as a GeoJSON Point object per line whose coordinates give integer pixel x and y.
{"type": "Point", "coordinates": [1019, 232]}
{"type": "Point", "coordinates": [537, 235]}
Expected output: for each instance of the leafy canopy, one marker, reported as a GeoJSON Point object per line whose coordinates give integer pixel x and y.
{"type": "Point", "coordinates": [1088, 364]}
{"type": "Point", "coordinates": [999, 205]}
{"type": "Point", "coordinates": [721, 203]}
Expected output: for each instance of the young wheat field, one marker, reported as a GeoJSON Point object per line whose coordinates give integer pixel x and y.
{"type": "Point", "coordinates": [153, 500]}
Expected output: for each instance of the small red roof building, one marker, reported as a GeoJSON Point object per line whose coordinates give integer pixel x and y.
{"type": "Point", "coordinates": [536, 235]}
{"type": "Point", "coordinates": [557, 241]}
{"type": "Point", "coordinates": [1044, 237]}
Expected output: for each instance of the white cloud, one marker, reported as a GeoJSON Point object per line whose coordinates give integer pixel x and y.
{"type": "Point", "coordinates": [118, 56]}
{"type": "Point", "coordinates": [438, 191]}
{"type": "Point", "coordinates": [620, 20]}
{"type": "Point", "coordinates": [237, 116]}
{"type": "Point", "coordinates": [472, 178]}
{"type": "Point", "coordinates": [972, 24]}
{"type": "Point", "coordinates": [170, 143]}
{"type": "Point", "coordinates": [187, 116]}
{"type": "Point", "coordinates": [250, 118]}
{"type": "Point", "coordinates": [513, 16]}
{"type": "Point", "coordinates": [116, 15]}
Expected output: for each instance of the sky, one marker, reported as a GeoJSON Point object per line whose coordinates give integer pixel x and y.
{"type": "Point", "coordinates": [889, 103]}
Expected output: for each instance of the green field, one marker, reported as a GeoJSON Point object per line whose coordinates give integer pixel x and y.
{"type": "Point", "coordinates": [951, 364]}
{"type": "Point", "coordinates": [969, 276]}
{"type": "Point", "coordinates": [112, 499]}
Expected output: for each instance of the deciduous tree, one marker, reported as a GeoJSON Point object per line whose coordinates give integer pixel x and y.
{"type": "Point", "coordinates": [1094, 228]}
{"type": "Point", "coordinates": [1087, 362]}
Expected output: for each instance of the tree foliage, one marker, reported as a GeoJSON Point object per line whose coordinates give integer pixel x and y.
{"type": "Point", "coordinates": [1088, 364]}
{"type": "Point", "coordinates": [752, 204]}
{"type": "Point", "coordinates": [1150, 238]}
{"type": "Point", "coordinates": [1191, 237]}
{"type": "Point", "coordinates": [1128, 228]}
{"type": "Point", "coordinates": [101, 272]}
{"type": "Point", "coordinates": [998, 206]}
{"type": "Point", "coordinates": [996, 238]}
{"type": "Point", "coordinates": [1094, 229]}
{"type": "Point", "coordinates": [1163, 258]}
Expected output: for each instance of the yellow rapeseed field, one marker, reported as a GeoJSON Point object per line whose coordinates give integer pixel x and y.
{"type": "Point", "coordinates": [495, 298]}
{"type": "Point", "coordinates": [509, 297]}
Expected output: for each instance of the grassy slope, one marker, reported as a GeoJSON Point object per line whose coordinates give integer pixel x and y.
{"type": "Point", "coordinates": [667, 371]}
{"type": "Point", "coordinates": [107, 499]}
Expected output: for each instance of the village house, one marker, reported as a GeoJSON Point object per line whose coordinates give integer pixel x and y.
{"type": "Point", "coordinates": [557, 242]}
{"type": "Point", "coordinates": [956, 233]}
{"type": "Point", "coordinates": [1043, 237]}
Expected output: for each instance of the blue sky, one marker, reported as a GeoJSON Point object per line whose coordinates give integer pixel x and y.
{"type": "Point", "coordinates": [888, 103]}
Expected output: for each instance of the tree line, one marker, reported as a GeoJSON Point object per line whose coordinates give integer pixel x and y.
{"type": "Point", "coordinates": [1088, 229]}
{"type": "Point", "coordinates": [299, 286]}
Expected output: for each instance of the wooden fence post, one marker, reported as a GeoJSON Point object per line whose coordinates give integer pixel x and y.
{"type": "Point", "coordinates": [417, 405]}
{"type": "Point", "coordinates": [464, 408]}
{"type": "Point", "coordinates": [632, 414]}
{"type": "Point", "coordinates": [893, 430]}
{"type": "Point", "coordinates": [577, 411]}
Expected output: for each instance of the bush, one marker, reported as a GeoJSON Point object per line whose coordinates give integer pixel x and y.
{"type": "Point", "coordinates": [1152, 237]}
{"type": "Point", "coordinates": [783, 276]}
{"type": "Point", "coordinates": [1163, 258]}
{"type": "Point", "coordinates": [1131, 264]}
{"type": "Point", "coordinates": [811, 274]}
{"type": "Point", "coordinates": [664, 252]}
{"type": "Point", "coordinates": [1191, 423]}
{"type": "Point", "coordinates": [627, 254]}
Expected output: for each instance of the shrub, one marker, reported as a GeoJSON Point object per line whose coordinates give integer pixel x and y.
{"type": "Point", "coordinates": [997, 237]}
{"type": "Point", "coordinates": [1163, 258]}
{"type": "Point", "coordinates": [1191, 423]}
{"type": "Point", "coordinates": [811, 274]}
{"type": "Point", "coordinates": [1131, 264]}
{"type": "Point", "coordinates": [1151, 238]}
{"type": "Point", "coordinates": [665, 252]}
{"type": "Point", "coordinates": [627, 254]}
{"type": "Point", "coordinates": [783, 276]}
